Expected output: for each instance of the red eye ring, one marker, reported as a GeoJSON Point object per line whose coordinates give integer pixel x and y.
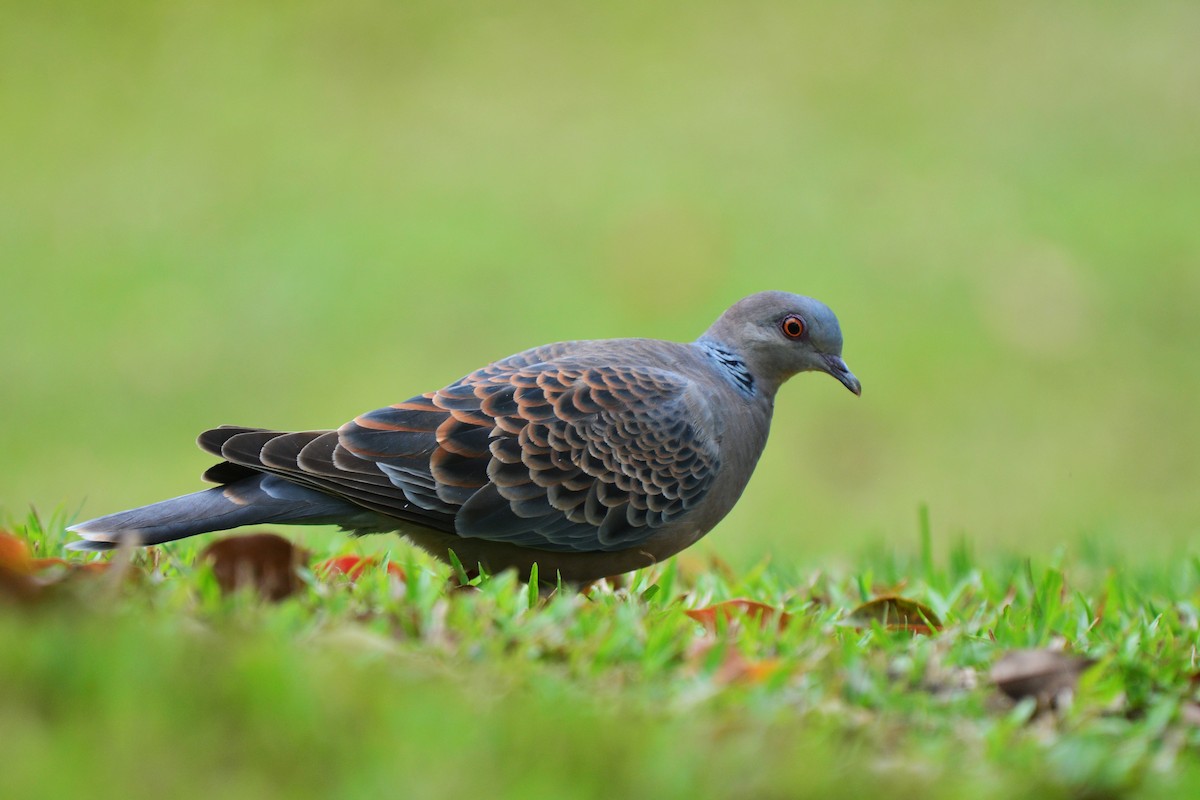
{"type": "Point", "coordinates": [792, 326]}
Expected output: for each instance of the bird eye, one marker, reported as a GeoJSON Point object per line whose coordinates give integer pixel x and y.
{"type": "Point", "coordinates": [792, 326]}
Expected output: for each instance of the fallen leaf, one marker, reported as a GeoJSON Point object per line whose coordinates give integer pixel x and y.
{"type": "Point", "coordinates": [353, 566]}
{"type": "Point", "coordinates": [1046, 675]}
{"type": "Point", "coordinates": [17, 581]}
{"type": "Point", "coordinates": [14, 553]}
{"type": "Point", "coordinates": [896, 614]}
{"type": "Point", "coordinates": [264, 562]}
{"type": "Point", "coordinates": [39, 564]}
{"type": "Point", "coordinates": [739, 607]}
{"type": "Point", "coordinates": [88, 569]}
{"type": "Point", "coordinates": [350, 566]}
{"type": "Point", "coordinates": [27, 579]}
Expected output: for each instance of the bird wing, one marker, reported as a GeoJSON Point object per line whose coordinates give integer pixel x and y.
{"type": "Point", "coordinates": [557, 454]}
{"type": "Point", "coordinates": [315, 459]}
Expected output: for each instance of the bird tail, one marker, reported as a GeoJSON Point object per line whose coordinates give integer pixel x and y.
{"type": "Point", "coordinates": [249, 501]}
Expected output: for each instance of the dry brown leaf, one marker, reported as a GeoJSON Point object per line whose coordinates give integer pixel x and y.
{"type": "Point", "coordinates": [37, 579]}
{"type": "Point", "coordinates": [17, 579]}
{"type": "Point", "coordinates": [1046, 675]}
{"type": "Point", "coordinates": [733, 609]}
{"type": "Point", "coordinates": [264, 562]}
{"type": "Point", "coordinates": [22, 578]}
{"type": "Point", "coordinates": [39, 564]}
{"type": "Point", "coordinates": [14, 553]}
{"type": "Point", "coordinates": [897, 614]}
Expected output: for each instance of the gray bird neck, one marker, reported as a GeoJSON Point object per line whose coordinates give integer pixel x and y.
{"type": "Point", "coordinates": [732, 366]}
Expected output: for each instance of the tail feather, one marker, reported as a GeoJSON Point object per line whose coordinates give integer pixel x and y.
{"type": "Point", "coordinates": [249, 501]}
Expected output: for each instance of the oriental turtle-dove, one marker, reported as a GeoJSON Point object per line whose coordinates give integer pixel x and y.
{"type": "Point", "coordinates": [590, 458]}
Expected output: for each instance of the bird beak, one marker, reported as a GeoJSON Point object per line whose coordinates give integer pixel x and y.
{"type": "Point", "coordinates": [836, 367]}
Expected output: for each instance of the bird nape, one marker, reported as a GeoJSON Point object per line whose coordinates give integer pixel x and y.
{"type": "Point", "coordinates": [588, 458]}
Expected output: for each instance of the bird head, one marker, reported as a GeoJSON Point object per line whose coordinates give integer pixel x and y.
{"type": "Point", "coordinates": [779, 334]}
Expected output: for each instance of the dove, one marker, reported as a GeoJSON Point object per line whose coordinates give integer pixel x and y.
{"type": "Point", "coordinates": [588, 458]}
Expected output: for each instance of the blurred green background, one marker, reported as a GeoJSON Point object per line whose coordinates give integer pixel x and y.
{"type": "Point", "coordinates": [286, 214]}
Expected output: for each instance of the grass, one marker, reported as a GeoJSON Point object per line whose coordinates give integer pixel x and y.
{"type": "Point", "coordinates": [166, 686]}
